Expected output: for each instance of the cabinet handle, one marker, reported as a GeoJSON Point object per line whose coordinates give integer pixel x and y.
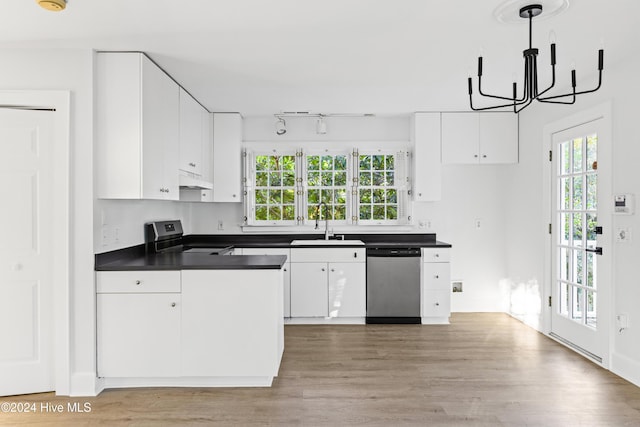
{"type": "Point", "coordinates": [475, 156]}
{"type": "Point", "coordinates": [419, 194]}
{"type": "Point", "coordinates": [436, 276]}
{"type": "Point", "coordinates": [436, 256]}
{"type": "Point", "coordinates": [332, 270]}
{"type": "Point", "coordinates": [234, 195]}
{"type": "Point", "coordinates": [484, 156]}
{"type": "Point", "coordinates": [437, 304]}
{"type": "Point", "coordinates": [193, 165]}
{"type": "Point", "coordinates": [173, 304]}
{"type": "Point", "coordinates": [323, 269]}
{"type": "Point", "coordinates": [355, 254]}
{"type": "Point", "coordinates": [138, 282]}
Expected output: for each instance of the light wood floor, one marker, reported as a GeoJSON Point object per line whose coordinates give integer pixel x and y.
{"type": "Point", "coordinates": [482, 370]}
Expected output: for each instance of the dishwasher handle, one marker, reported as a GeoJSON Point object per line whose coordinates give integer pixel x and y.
{"type": "Point", "coordinates": [394, 252]}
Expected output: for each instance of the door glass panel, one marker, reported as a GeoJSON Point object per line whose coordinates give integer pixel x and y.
{"type": "Point", "coordinates": [576, 210]}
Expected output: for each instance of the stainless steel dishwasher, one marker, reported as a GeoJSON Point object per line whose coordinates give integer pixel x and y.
{"type": "Point", "coordinates": [393, 285]}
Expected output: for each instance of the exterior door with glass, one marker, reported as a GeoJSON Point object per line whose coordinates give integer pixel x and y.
{"type": "Point", "coordinates": [580, 254]}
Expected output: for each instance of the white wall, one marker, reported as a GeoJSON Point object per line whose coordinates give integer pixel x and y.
{"type": "Point", "coordinates": [469, 193]}
{"type": "Point", "coordinates": [69, 70]}
{"type": "Point", "coordinates": [526, 223]}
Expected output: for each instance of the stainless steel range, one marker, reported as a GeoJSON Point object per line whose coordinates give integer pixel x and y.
{"type": "Point", "coordinates": [166, 236]}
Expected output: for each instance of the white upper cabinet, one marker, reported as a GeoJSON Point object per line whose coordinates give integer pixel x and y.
{"type": "Point", "coordinates": [191, 134]}
{"type": "Point", "coordinates": [479, 138]}
{"type": "Point", "coordinates": [425, 136]}
{"type": "Point", "coordinates": [227, 157]}
{"type": "Point", "coordinates": [138, 126]}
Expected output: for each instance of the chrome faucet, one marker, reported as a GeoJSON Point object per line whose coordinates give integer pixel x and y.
{"type": "Point", "coordinates": [326, 219]}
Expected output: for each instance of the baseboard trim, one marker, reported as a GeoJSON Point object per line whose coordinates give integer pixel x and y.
{"type": "Point", "coordinates": [626, 368]}
{"type": "Point", "coordinates": [84, 384]}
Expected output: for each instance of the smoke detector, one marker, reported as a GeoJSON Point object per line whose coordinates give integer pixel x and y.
{"type": "Point", "coordinates": [52, 5]}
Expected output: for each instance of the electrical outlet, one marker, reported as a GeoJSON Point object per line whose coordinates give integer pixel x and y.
{"type": "Point", "coordinates": [477, 223]}
{"type": "Point", "coordinates": [220, 225]}
{"type": "Point", "coordinates": [116, 234]}
{"type": "Point", "coordinates": [456, 286]}
{"type": "Point", "coordinates": [622, 322]}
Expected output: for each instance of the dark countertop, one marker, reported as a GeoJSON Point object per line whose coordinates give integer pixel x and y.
{"type": "Point", "coordinates": [135, 257]}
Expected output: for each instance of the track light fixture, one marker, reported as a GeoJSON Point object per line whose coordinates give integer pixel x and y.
{"type": "Point", "coordinates": [52, 5]}
{"type": "Point", "coordinates": [281, 126]}
{"type": "Point", "coordinates": [321, 125]}
{"type": "Point", "coordinates": [530, 86]}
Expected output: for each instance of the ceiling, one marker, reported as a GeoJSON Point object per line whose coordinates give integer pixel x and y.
{"type": "Point", "coordinates": [332, 56]}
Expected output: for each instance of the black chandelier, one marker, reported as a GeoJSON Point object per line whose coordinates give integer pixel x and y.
{"type": "Point", "coordinates": [530, 91]}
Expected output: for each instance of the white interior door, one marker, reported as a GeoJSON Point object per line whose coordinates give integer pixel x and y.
{"type": "Point", "coordinates": [580, 251]}
{"type": "Point", "coordinates": [26, 270]}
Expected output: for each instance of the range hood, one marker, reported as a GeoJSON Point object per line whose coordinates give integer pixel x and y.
{"type": "Point", "coordinates": [193, 181]}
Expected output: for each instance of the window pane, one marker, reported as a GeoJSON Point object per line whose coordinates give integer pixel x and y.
{"type": "Point", "coordinates": [313, 197]}
{"type": "Point", "coordinates": [392, 196]}
{"type": "Point", "coordinates": [340, 196]}
{"type": "Point", "coordinates": [576, 312]}
{"type": "Point", "coordinates": [365, 195]}
{"type": "Point", "coordinates": [289, 212]}
{"type": "Point", "coordinates": [313, 163]}
{"type": "Point", "coordinates": [378, 212]}
{"type": "Point", "coordinates": [274, 163]}
{"type": "Point", "coordinates": [577, 155]}
{"type": "Point", "coordinates": [312, 212]}
{"type": "Point", "coordinates": [365, 212]}
{"type": "Point", "coordinates": [261, 196]}
{"type": "Point", "coordinates": [313, 179]}
{"type": "Point", "coordinates": [326, 196]}
{"type": "Point", "coordinates": [378, 195]}
{"type": "Point", "coordinates": [390, 178]}
{"type": "Point", "coordinates": [390, 163]}
{"type": "Point", "coordinates": [365, 178]}
{"type": "Point", "coordinates": [591, 309]}
{"type": "Point", "coordinates": [340, 163]}
{"type": "Point", "coordinates": [392, 212]}
{"type": "Point", "coordinates": [275, 179]}
{"type": "Point", "coordinates": [592, 152]}
{"type": "Point", "coordinates": [592, 222]}
{"type": "Point", "coordinates": [340, 178]}
{"type": "Point", "coordinates": [288, 196]}
{"type": "Point", "coordinates": [565, 159]}
{"type": "Point", "coordinates": [565, 193]}
{"type": "Point", "coordinates": [378, 178]}
{"type": "Point", "coordinates": [275, 213]}
{"type": "Point", "coordinates": [378, 163]}
{"type": "Point", "coordinates": [577, 192]}
{"type": "Point", "coordinates": [565, 262]}
{"type": "Point", "coordinates": [326, 163]}
{"type": "Point", "coordinates": [289, 179]}
{"type": "Point", "coordinates": [591, 269]}
{"type": "Point", "coordinates": [564, 299]}
{"type": "Point", "coordinates": [577, 229]}
{"type": "Point", "coordinates": [327, 179]}
{"type": "Point", "coordinates": [365, 162]}
{"type": "Point", "coordinates": [592, 192]}
{"type": "Point", "coordinates": [565, 223]}
{"type": "Point", "coordinates": [261, 213]}
{"type": "Point", "coordinates": [578, 266]}
{"type": "Point", "coordinates": [288, 163]}
{"type": "Point", "coordinates": [262, 179]}
{"type": "Point", "coordinates": [262, 163]}
{"type": "Point", "coordinates": [275, 197]}
{"type": "Point", "coordinates": [340, 212]}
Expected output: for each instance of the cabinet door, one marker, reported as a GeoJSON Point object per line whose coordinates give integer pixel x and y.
{"type": "Point", "coordinates": [427, 181]}
{"type": "Point", "coordinates": [160, 133]}
{"type": "Point", "coordinates": [227, 157]}
{"type": "Point", "coordinates": [498, 138]}
{"type": "Point", "coordinates": [460, 139]}
{"type": "Point", "coordinates": [347, 289]}
{"type": "Point", "coordinates": [138, 335]}
{"type": "Point", "coordinates": [286, 272]}
{"type": "Point", "coordinates": [207, 146]}
{"type": "Point", "coordinates": [309, 292]}
{"type": "Point", "coordinates": [436, 304]}
{"type": "Point", "coordinates": [190, 134]}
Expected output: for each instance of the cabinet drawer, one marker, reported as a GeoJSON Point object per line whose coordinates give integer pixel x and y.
{"type": "Point", "coordinates": [436, 304]}
{"type": "Point", "coordinates": [137, 281]}
{"type": "Point", "coordinates": [436, 276]}
{"type": "Point", "coordinates": [435, 255]}
{"type": "Point", "coordinates": [328, 255]}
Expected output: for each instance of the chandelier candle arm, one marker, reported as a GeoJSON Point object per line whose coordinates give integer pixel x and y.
{"type": "Point", "coordinates": [530, 86]}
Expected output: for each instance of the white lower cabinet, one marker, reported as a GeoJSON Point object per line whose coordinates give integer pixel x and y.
{"type": "Point", "coordinates": [138, 324]}
{"type": "Point", "coordinates": [328, 282]}
{"type": "Point", "coordinates": [436, 286]}
{"type": "Point", "coordinates": [286, 271]}
{"type": "Point", "coordinates": [232, 323]}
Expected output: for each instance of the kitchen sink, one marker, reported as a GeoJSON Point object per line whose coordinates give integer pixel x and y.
{"type": "Point", "coordinates": [323, 242]}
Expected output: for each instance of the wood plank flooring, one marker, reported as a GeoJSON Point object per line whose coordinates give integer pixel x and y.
{"type": "Point", "coordinates": [485, 369]}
